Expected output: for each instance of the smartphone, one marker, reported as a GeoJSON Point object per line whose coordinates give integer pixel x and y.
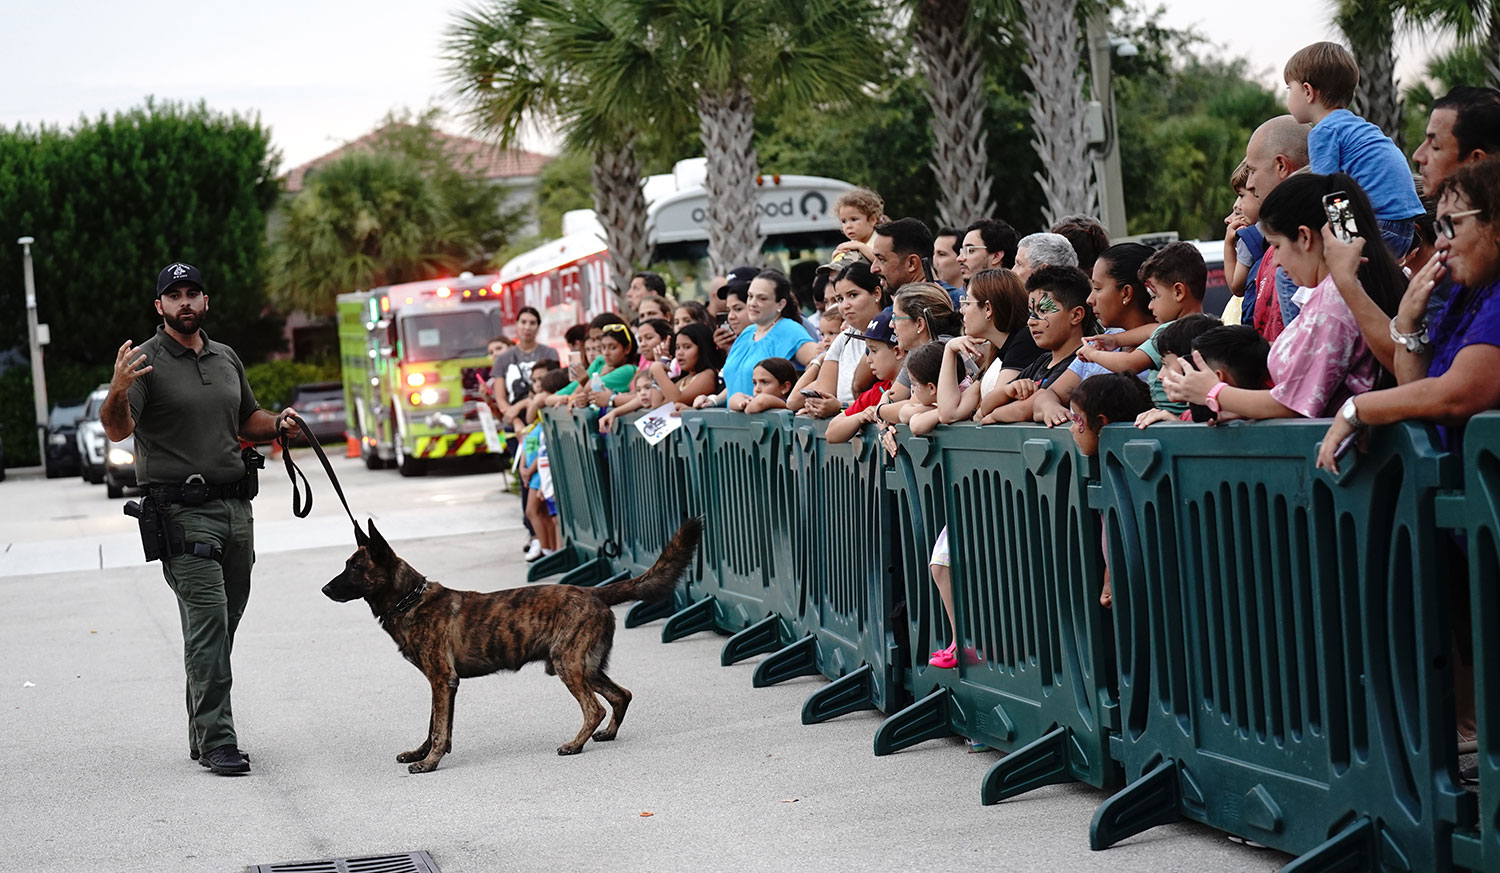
{"type": "Point", "coordinates": [1345, 445]}
{"type": "Point", "coordinates": [575, 359]}
{"type": "Point", "coordinates": [811, 393]}
{"type": "Point", "coordinates": [1340, 214]}
{"type": "Point", "coordinates": [723, 319]}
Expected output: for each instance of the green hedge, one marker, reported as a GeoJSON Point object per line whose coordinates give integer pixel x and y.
{"type": "Point", "coordinates": [273, 381]}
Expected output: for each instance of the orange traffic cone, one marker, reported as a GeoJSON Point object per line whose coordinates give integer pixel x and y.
{"type": "Point", "coordinates": [352, 450]}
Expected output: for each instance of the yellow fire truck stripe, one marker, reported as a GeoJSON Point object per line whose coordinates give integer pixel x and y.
{"type": "Point", "coordinates": [472, 443]}
{"type": "Point", "coordinates": [439, 447]}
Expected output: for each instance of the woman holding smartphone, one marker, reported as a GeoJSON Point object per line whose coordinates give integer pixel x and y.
{"type": "Point", "coordinates": [1321, 359]}
{"type": "Point", "coordinates": [1444, 367]}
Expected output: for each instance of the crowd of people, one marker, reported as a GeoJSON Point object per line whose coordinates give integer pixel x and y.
{"type": "Point", "coordinates": [1362, 292]}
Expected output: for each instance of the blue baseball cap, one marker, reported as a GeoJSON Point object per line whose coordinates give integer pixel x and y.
{"type": "Point", "coordinates": [879, 328]}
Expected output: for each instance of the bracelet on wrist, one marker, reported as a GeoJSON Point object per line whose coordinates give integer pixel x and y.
{"type": "Point", "coordinates": [1413, 341]}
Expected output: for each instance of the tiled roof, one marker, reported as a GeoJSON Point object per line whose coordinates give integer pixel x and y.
{"type": "Point", "coordinates": [468, 154]}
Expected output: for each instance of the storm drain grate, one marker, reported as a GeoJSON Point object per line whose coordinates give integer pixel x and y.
{"type": "Point", "coordinates": [411, 862]}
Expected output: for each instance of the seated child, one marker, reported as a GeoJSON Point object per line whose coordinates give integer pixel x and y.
{"type": "Point", "coordinates": [884, 356]}
{"type": "Point", "coordinates": [1320, 82]}
{"type": "Point", "coordinates": [1058, 317]}
{"type": "Point", "coordinates": [1108, 399]}
{"type": "Point", "coordinates": [1176, 278]}
{"type": "Point", "coordinates": [858, 211]}
{"type": "Point", "coordinates": [772, 379]}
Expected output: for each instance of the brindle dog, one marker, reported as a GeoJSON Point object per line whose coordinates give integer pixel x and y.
{"type": "Point", "coordinates": [451, 635]}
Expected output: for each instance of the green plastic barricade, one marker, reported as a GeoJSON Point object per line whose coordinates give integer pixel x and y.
{"type": "Point", "coordinates": [648, 487]}
{"type": "Point", "coordinates": [916, 484]}
{"type": "Point", "coordinates": [1035, 669]}
{"type": "Point", "coordinates": [1476, 515]}
{"type": "Point", "coordinates": [1283, 642]}
{"type": "Point", "coordinates": [575, 455]}
{"type": "Point", "coordinates": [839, 597]}
{"type": "Point", "coordinates": [748, 495]}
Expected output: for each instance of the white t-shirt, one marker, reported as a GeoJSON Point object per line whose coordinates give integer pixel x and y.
{"type": "Point", "coordinates": [850, 353]}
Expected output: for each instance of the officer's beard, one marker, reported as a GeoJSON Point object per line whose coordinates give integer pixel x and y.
{"type": "Point", "coordinates": [186, 324]}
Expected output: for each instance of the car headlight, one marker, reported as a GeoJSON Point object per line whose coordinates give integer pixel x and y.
{"type": "Point", "coordinates": [57, 439]}
{"type": "Point", "coordinates": [120, 457]}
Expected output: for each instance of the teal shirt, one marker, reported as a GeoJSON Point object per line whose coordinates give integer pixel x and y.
{"type": "Point", "coordinates": [615, 380]}
{"type": "Point", "coordinates": [1153, 376]}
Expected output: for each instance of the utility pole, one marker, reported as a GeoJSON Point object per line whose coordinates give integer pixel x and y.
{"type": "Point", "coordinates": [1107, 156]}
{"type": "Point", "coordinates": [34, 333]}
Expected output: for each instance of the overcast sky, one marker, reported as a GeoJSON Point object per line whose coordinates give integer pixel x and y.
{"type": "Point", "coordinates": [319, 74]}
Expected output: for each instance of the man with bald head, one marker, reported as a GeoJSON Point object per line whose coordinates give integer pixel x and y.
{"type": "Point", "coordinates": [1277, 150]}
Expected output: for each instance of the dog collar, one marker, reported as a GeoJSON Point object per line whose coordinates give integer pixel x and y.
{"type": "Point", "coordinates": [406, 602]}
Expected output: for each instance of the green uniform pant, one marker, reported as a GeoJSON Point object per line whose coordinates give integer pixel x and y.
{"type": "Point", "coordinates": [211, 597]}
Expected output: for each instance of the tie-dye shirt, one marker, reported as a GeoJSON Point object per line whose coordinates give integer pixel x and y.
{"type": "Point", "coordinates": [1320, 359]}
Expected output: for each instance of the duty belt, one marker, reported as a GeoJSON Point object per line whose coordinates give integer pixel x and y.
{"type": "Point", "coordinates": [204, 491]}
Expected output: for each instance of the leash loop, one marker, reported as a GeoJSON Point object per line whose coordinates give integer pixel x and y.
{"type": "Point", "coordinates": [299, 509]}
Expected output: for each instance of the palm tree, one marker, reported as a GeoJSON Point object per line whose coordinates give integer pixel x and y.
{"type": "Point", "coordinates": [519, 62]}
{"type": "Point", "coordinates": [1476, 22]}
{"type": "Point", "coordinates": [730, 55]}
{"type": "Point", "coordinates": [948, 34]}
{"type": "Point", "coordinates": [1370, 27]}
{"type": "Point", "coordinates": [362, 220]}
{"type": "Point", "coordinates": [1050, 30]}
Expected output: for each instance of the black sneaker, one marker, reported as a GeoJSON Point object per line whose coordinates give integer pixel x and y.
{"type": "Point", "coordinates": [193, 753]}
{"type": "Point", "coordinates": [225, 761]}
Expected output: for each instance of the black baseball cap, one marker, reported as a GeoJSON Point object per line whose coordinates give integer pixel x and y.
{"type": "Point", "coordinates": [879, 328]}
{"type": "Point", "coordinates": [738, 281]}
{"type": "Point", "coordinates": [176, 273]}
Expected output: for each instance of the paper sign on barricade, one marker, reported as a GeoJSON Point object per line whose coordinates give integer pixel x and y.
{"type": "Point", "coordinates": [659, 423]}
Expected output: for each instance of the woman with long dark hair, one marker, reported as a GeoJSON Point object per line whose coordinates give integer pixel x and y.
{"type": "Point", "coordinates": [842, 375]}
{"type": "Point", "coordinates": [1321, 359]}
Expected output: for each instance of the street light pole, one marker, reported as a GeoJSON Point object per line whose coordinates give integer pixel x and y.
{"type": "Point", "coordinates": [1106, 158]}
{"type": "Point", "coordinates": [33, 333]}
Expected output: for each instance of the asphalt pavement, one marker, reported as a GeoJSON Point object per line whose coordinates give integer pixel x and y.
{"type": "Point", "coordinates": [708, 773]}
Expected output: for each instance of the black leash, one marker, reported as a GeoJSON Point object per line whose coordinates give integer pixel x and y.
{"type": "Point", "coordinates": [293, 471]}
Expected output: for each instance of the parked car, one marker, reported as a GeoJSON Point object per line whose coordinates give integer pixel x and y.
{"type": "Point", "coordinates": [62, 439]}
{"type": "Point", "coordinates": [92, 443]}
{"type": "Point", "coordinates": [321, 405]}
{"type": "Point", "coordinates": [119, 466]}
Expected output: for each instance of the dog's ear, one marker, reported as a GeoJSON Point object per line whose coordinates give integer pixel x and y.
{"type": "Point", "coordinates": [359, 537]}
{"type": "Point", "coordinates": [377, 542]}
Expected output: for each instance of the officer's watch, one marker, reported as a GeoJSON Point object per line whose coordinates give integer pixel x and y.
{"type": "Point", "coordinates": [1351, 415]}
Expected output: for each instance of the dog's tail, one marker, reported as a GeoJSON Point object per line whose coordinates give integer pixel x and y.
{"type": "Point", "coordinates": [659, 581]}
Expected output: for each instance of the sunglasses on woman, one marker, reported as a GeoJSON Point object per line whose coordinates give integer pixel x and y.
{"type": "Point", "coordinates": [1443, 226]}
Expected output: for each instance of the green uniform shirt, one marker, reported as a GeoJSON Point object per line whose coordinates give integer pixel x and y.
{"type": "Point", "coordinates": [188, 411]}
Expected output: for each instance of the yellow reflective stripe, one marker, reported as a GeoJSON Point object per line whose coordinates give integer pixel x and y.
{"type": "Point", "coordinates": [440, 447]}
{"type": "Point", "coordinates": [471, 444]}
{"type": "Point", "coordinates": [421, 447]}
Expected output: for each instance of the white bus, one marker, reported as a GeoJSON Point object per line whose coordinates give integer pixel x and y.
{"type": "Point", "coordinates": [567, 279]}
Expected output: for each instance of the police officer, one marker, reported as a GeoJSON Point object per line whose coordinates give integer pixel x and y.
{"type": "Point", "coordinates": [186, 399]}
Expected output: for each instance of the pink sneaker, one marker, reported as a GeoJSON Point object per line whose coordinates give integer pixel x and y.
{"type": "Point", "coordinates": [951, 647]}
{"type": "Point", "coordinates": [947, 659]}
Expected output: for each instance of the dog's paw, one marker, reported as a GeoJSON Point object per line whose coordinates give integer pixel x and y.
{"type": "Point", "coordinates": [569, 749]}
{"type": "Point", "coordinates": [604, 736]}
{"type": "Point", "coordinates": [408, 757]}
{"type": "Point", "coordinates": [422, 767]}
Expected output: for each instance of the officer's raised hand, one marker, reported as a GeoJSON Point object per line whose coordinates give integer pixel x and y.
{"type": "Point", "coordinates": [128, 367]}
